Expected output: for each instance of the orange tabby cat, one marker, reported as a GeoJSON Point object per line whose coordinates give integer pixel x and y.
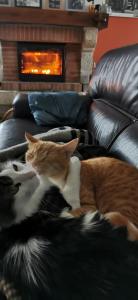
{"type": "Point", "coordinates": [106, 184]}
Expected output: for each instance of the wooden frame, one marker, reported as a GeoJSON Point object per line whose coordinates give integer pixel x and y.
{"type": "Point", "coordinates": [28, 3]}
{"type": "Point", "coordinates": [48, 16]}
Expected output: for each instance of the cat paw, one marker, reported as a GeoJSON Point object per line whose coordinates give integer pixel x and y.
{"type": "Point", "coordinates": [66, 214]}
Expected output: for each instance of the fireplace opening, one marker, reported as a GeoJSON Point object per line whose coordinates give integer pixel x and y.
{"type": "Point", "coordinates": [41, 62]}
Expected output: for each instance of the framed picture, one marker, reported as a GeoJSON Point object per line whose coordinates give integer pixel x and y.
{"type": "Point", "coordinates": [28, 3]}
{"type": "Point", "coordinates": [75, 4]}
{"type": "Point", "coordinates": [6, 3]}
{"type": "Point", "coordinates": [54, 4]}
{"type": "Point", "coordinates": [122, 8]}
{"type": "Point", "coordinates": [57, 4]}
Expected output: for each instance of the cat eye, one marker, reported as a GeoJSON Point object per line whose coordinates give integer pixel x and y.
{"type": "Point", "coordinates": [15, 167]}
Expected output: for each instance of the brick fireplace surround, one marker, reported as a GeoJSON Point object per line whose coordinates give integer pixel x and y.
{"type": "Point", "coordinates": [74, 29]}
{"type": "Point", "coordinates": [72, 37]}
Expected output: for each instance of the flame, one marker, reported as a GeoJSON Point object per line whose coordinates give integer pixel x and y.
{"type": "Point", "coordinates": [46, 71]}
{"type": "Point", "coordinates": [42, 63]}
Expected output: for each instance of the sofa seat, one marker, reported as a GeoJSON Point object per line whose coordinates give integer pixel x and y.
{"type": "Point", "coordinates": [12, 131]}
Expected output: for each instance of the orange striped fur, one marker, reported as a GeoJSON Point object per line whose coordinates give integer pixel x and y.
{"type": "Point", "coordinates": [106, 184]}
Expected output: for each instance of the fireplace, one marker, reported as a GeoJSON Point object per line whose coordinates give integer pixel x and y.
{"type": "Point", "coordinates": [34, 42]}
{"type": "Point", "coordinates": [41, 62]}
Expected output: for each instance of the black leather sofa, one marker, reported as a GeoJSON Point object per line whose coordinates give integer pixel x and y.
{"type": "Point", "coordinates": [112, 115]}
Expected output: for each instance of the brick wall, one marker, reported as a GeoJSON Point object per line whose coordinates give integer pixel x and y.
{"type": "Point", "coordinates": [10, 67]}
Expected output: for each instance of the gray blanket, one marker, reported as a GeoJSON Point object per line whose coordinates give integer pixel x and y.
{"type": "Point", "coordinates": [63, 134]}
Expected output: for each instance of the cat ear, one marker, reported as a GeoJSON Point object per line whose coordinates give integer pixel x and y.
{"type": "Point", "coordinates": [71, 146]}
{"type": "Point", "coordinates": [29, 138]}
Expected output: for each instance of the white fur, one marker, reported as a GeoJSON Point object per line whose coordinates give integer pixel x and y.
{"type": "Point", "coordinates": [26, 206]}
{"type": "Point", "coordinates": [27, 258]}
{"type": "Point", "coordinates": [71, 188]}
{"type": "Point", "coordinates": [66, 214]}
{"type": "Point", "coordinates": [9, 165]}
{"type": "Point", "coordinates": [33, 188]}
{"type": "Point", "coordinates": [24, 171]}
{"type": "Point", "coordinates": [29, 197]}
{"type": "Point", "coordinates": [31, 191]}
{"type": "Point", "coordinates": [88, 222]}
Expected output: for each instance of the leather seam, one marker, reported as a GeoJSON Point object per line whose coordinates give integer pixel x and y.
{"type": "Point", "coordinates": [119, 133]}
{"type": "Point", "coordinates": [133, 118]}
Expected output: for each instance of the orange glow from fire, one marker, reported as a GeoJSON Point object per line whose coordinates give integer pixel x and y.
{"type": "Point", "coordinates": [42, 63]}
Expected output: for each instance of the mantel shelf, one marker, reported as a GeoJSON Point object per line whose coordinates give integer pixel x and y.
{"type": "Point", "coordinates": [24, 15]}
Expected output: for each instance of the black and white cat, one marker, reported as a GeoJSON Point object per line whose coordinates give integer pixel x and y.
{"type": "Point", "coordinates": [50, 257]}
{"type": "Point", "coordinates": [24, 193]}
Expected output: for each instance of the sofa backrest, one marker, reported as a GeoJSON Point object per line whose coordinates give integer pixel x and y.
{"type": "Point", "coordinates": [113, 115]}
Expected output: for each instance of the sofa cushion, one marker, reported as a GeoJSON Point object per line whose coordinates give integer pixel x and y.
{"type": "Point", "coordinates": [116, 79]}
{"type": "Point", "coordinates": [107, 122]}
{"type": "Point", "coordinates": [126, 145]}
{"type": "Point", "coordinates": [59, 108]}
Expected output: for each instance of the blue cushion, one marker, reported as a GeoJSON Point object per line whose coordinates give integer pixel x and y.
{"type": "Point", "coordinates": [59, 108]}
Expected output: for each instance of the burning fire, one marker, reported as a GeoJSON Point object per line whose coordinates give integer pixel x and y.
{"type": "Point", "coordinates": [42, 63]}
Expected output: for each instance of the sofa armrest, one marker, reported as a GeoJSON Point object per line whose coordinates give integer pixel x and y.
{"type": "Point", "coordinates": [21, 107]}
{"type": "Point", "coordinates": [7, 115]}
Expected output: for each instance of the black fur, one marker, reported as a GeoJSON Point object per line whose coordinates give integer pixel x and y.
{"type": "Point", "coordinates": [95, 264]}
{"type": "Point", "coordinates": [54, 202]}
{"type": "Point", "coordinates": [72, 263]}
{"type": "Point", "coordinates": [7, 191]}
